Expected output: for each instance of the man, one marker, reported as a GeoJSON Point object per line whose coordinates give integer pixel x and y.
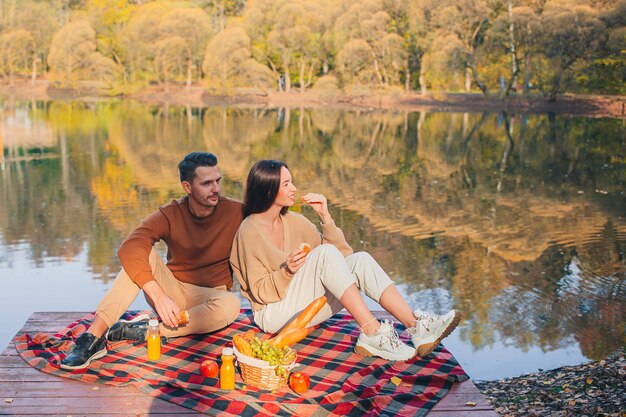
{"type": "Point", "coordinates": [198, 230]}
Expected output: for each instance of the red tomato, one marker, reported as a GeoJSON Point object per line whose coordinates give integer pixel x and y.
{"type": "Point", "coordinates": [209, 368]}
{"type": "Point", "coordinates": [299, 382]}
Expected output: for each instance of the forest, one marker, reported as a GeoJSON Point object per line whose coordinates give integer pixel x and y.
{"type": "Point", "coordinates": [495, 47]}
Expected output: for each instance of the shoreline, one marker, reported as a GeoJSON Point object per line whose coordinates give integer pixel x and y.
{"type": "Point", "coordinates": [198, 96]}
{"type": "Point", "coordinates": [594, 388]}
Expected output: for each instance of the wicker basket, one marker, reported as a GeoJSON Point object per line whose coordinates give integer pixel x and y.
{"type": "Point", "coordinates": [259, 373]}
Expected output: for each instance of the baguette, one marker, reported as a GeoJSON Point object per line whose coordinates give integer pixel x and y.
{"type": "Point", "coordinates": [242, 344]}
{"type": "Point", "coordinates": [303, 319]}
{"type": "Point", "coordinates": [289, 337]}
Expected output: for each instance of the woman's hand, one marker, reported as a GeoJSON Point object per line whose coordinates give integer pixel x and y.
{"type": "Point", "coordinates": [295, 260]}
{"type": "Point", "coordinates": [319, 203]}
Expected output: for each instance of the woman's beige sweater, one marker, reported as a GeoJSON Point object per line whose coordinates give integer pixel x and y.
{"type": "Point", "coordinates": [258, 264]}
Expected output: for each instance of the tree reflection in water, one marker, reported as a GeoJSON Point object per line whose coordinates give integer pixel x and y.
{"type": "Point", "coordinates": [518, 220]}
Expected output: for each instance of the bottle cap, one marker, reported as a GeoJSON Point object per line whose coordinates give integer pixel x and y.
{"type": "Point", "coordinates": [153, 323]}
{"type": "Point", "coordinates": [227, 351]}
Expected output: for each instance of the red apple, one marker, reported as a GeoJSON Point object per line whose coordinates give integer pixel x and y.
{"type": "Point", "coordinates": [299, 382]}
{"type": "Point", "coordinates": [209, 368]}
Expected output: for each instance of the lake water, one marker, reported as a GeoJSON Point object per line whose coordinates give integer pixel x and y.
{"type": "Point", "coordinates": [517, 220]}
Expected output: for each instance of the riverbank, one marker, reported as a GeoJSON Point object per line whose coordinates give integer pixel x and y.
{"type": "Point", "coordinates": [198, 96]}
{"type": "Point", "coordinates": [591, 389]}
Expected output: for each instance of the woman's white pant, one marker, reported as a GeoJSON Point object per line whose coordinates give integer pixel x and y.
{"type": "Point", "coordinates": [325, 272]}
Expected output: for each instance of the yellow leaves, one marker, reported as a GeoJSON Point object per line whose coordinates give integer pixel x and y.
{"type": "Point", "coordinates": [8, 400]}
{"type": "Point", "coordinates": [397, 382]}
{"type": "Point", "coordinates": [471, 404]}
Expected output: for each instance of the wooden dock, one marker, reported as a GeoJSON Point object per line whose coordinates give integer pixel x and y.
{"type": "Point", "coordinates": [25, 391]}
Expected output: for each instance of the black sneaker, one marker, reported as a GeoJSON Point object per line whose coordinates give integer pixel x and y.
{"type": "Point", "coordinates": [86, 349]}
{"type": "Point", "coordinates": [135, 329]}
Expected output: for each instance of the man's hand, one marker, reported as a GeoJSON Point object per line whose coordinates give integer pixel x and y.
{"type": "Point", "coordinates": [165, 307]}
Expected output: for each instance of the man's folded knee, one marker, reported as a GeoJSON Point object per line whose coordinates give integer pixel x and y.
{"type": "Point", "coordinates": [227, 308]}
{"type": "Point", "coordinates": [233, 310]}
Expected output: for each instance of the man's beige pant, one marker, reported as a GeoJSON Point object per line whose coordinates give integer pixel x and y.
{"type": "Point", "coordinates": [209, 309]}
{"type": "Point", "coordinates": [325, 272]}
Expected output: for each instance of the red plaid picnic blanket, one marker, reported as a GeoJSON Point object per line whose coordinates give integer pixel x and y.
{"type": "Point", "coordinates": [342, 382]}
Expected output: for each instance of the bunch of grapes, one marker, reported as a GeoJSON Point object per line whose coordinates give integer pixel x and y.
{"type": "Point", "coordinates": [275, 356]}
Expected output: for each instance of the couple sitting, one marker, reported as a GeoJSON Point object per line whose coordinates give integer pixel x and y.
{"type": "Point", "coordinates": [209, 237]}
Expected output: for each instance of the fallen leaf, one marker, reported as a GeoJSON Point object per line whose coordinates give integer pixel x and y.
{"type": "Point", "coordinates": [470, 404]}
{"type": "Point", "coordinates": [8, 400]}
{"type": "Point", "coordinates": [395, 380]}
{"type": "Point", "coordinates": [95, 388]}
{"type": "Point", "coordinates": [588, 381]}
{"type": "Point", "coordinates": [572, 402]}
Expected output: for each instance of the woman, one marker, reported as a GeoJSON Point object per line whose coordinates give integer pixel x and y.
{"type": "Point", "coordinates": [280, 278]}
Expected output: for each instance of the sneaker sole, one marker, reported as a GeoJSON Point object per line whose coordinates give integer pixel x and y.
{"type": "Point", "coordinates": [134, 320]}
{"type": "Point", "coordinates": [98, 355]}
{"type": "Point", "coordinates": [361, 350]}
{"type": "Point", "coordinates": [426, 349]}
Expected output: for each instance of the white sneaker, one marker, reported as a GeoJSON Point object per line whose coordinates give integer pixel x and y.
{"type": "Point", "coordinates": [385, 344]}
{"type": "Point", "coordinates": [430, 329]}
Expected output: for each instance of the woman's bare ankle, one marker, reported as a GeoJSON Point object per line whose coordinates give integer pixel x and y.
{"type": "Point", "coordinates": [370, 327]}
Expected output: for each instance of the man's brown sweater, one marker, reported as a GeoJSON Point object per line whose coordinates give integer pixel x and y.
{"type": "Point", "coordinates": [198, 249]}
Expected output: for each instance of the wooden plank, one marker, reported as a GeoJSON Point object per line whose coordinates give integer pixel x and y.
{"type": "Point", "coordinates": [35, 393]}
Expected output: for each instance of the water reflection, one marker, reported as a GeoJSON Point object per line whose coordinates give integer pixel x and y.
{"type": "Point", "coordinates": [517, 220]}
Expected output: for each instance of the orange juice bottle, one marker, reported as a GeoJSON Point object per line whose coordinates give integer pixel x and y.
{"type": "Point", "coordinates": [154, 340]}
{"type": "Point", "coordinates": [227, 370]}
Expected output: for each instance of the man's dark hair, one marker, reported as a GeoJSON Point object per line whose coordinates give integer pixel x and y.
{"type": "Point", "coordinates": [191, 161]}
{"type": "Point", "coordinates": [262, 187]}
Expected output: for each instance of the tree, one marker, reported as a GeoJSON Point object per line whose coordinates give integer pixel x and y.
{"type": "Point", "coordinates": [443, 64]}
{"type": "Point", "coordinates": [516, 32]}
{"type": "Point", "coordinates": [39, 20]}
{"type": "Point", "coordinates": [526, 22]}
{"type": "Point", "coordinates": [138, 38]}
{"type": "Point", "coordinates": [355, 63]}
{"type": "Point", "coordinates": [368, 21]}
{"type": "Point", "coordinates": [73, 55]}
{"type": "Point", "coordinates": [16, 52]}
{"type": "Point", "coordinates": [220, 10]}
{"type": "Point", "coordinates": [228, 61]}
{"type": "Point", "coordinates": [170, 53]}
{"type": "Point", "coordinates": [192, 26]}
{"type": "Point", "coordinates": [469, 22]}
{"type": "Point", "coordinates": [297, 37]}
{"type": "Point", "coordinates": [418, 33]}
{"type": "Point", "coordinates": [108, 18]}
{"type": "Point", "coordinates": [570, 32]}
